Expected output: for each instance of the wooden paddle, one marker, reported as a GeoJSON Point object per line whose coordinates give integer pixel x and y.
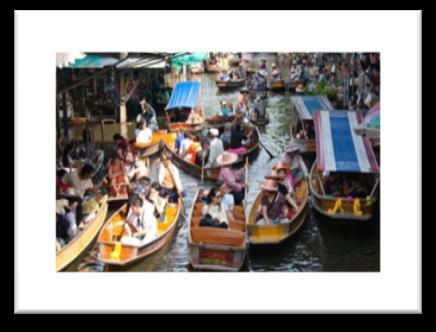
{"type": "Point", "coordinates": [320, 184]}
{"type": "Point", "coordinates": [202, 166]}
{"type": "Point", "coordinates": [373, 190]}
{"type": "Point", "coordinates": [177, 189]}
{"type": "Point", "coordinates": [261, 144]}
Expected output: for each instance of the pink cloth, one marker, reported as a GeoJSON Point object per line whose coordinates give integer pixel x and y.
{"type": "Point", "coordinates": [233, 178]}
{"type": "Point", "coordinates": [238, 151]}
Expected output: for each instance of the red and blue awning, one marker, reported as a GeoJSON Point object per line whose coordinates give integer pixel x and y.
{"type": "Point", "coordinates": [338, 147]}
{"type": "Point", "coordinates": [185, 94]}
{"type": "Point", "coordinates": [305, 105]}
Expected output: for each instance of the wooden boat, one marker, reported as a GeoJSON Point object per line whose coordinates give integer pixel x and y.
{"type": "Point", "coordinates": [230, 84]}
{"type": "Point", "coordinates": [323, 203]}
{"type": "Point", "coordinates": [154, 147]}
{"type": "Point", "coordinates": [72, 250]}
{"type": "Point", "coordinates": [78, 120]}
{"type": "Point", "coordinates": [304, 106]}
{"type": "Point", "coordinates": [340, 150]}
{"type": "Point", "coordinates": [217, 249]}
{"type": "Point", "coordinates": [210, 174]}
{"type": "Point", "coordinates": [274, 234]}
{"type": "Point", "coordinates": [218, 121]}
{"type": "Point", "coordinates": [183, 98]}
{"type": "Point", "coordinates": [292, 85]}
{"type": "Point", "coordinates": [277, 85]}
{"type": "Point", "coordinates": [114, 253]}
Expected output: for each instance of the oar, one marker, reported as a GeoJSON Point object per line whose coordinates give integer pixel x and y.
{"type": "Point", "coordinates": [177, 189]}
{"type": "Point", "coordinates": [375, 187]}
{"type": "Point", "coordinates": [261, 144]}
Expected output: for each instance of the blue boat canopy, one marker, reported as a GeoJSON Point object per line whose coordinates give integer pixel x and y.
{"type": "Point", "coordinates": [185, 94]}
{"type": "Point", "coordinates": [306, 104]}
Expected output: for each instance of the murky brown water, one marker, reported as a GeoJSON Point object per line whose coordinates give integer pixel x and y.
{"type": "Point", "coordinates": [318, 246]}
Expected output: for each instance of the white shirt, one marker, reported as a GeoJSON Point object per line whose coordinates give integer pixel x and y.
{"type": "Point", "coordinates": [79, 185]}
{"type": "Point", "coordinates": [216, 148]}
{"type": "Point", "coordinates": [144, 136]}
{"type": "Point", "coordinates": [146, 221]}
{"type": "Point", "coordinates": [184, 145]}
{"type": "Point", "coordinates": [228, 202]}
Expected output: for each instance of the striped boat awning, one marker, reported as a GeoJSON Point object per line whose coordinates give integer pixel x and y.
{"type": "Point", "coordinates": [338, 147]}
{"type": "Point", "coordinates": [305, 105]}
{"type": "Point", "coordinates": [185, 94]}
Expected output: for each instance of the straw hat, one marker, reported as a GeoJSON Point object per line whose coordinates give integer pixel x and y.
{"type": "Point", "coordinates": [292, 148]}
{"type": "Point", "coordinates": [273, 175]}
{"type": "Point", "coordinates": [300, 88]}
{"type": "Point", "coordinates": [269, 185]}
{"type": "Point", "coordinates": [226, 158]}
{"type": "Point", "coordinates": [281, 165]}
{"type": "Point", "coordinates": [90, 206]}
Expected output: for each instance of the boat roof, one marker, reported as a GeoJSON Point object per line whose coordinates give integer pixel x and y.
{"type": "Point", "coordinates": [338, 147]}
{"type": "Point", "coordinates": [185, 94]}
{"type": "Point", "coordinates": [306, 104]}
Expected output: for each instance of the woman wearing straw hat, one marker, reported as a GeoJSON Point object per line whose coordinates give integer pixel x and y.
{"type": "Point", "coordinates": [284, 187]}
{"type": "Point", "coordinates": [273, 207]}
{"type": "Point", "coordinates": [232, 175]}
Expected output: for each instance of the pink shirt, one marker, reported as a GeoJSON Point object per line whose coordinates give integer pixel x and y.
{"type": "Point", "coordinates": [233, 178]}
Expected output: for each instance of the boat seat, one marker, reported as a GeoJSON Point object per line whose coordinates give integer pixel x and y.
{"type": "Point", "coordinates": [238, 225]}
{"type": "Point", "coordinates": [221, 236]}
{"type": "Point", "coordinates": [238, 214]}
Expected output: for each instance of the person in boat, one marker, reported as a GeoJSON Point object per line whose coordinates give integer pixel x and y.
{"type": "Point", "coordinates": [285, 189]}
{"type": "Point", "coordinates": [296, 163]}
{"type": "Point", "coordinates": [234, 75]}
{"type": "Point", "coordinates": [226, 136]}
{"type": "Point", "coordinates": [203, 153]}
{"type": "Point", "coordinates": [122, 143]}
{"type": "Point", "coordinates": [224, 110]}
{"type": "Point", "coordinates": [143, 133]}
{"type": "Point", "coordinates": [213, 212]}
{"type": "Point", "coordinates": [227, 201]}
{"type": "Point", "coordinates": [190, 154]}
{"type": "Point", "coordinates": [81, 182]}
{"type": "Point", "coordinates": [196, 116]}
{"type": "Point", "coordinates": [353, 187]}
{"type": "Point", "coordinates": [233, 175]}
{"type": "Point", "coordinates": [117, 176]}
{"type": "Point", "coordinates": [333, 185]}
{"type": "Point", "coordinates": [236, 139]}
{"type": "Point", "coordinates": [169, 179]}
{"type": "Point", "coordinates": [61, 185]}
{"type": "Point", "coordinates": [158, 202]}
{"type": "Point", "coordinates": [275, 73]}
{"type": "Point", "coordinates": [262, 65]}
{"type": "Point", "coordinates": [216, 148]}
{"type": "Point", "coordinates": [241, 106]}
{"type": "Point", "coordinates": [300, 89]}
{"type": "Point", "coordinates": [179, 139]}
{"type": "Point", "coordinates": [148, 114]}
{"type": "Point", "coordinates": [224, 76]}
{"type": "Point", "coordinates": [307, 132]}
{"type": "Point", "coordinates": [136, 167]}
{"type": "Point", "coordinates": [67, 157]}
{"type": "Point", "coordinates": [141, 225]}
{"type": "Point", "coordinates": [66, 224]}
{"type": "Point", "coordinates": [273, 205]}
{"type": "Point", "coordinates": [185, 144]}
{"type": "Point", "coordinates": [258, 111]}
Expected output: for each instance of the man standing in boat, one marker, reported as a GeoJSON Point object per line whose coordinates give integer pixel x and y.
{"type": "Point", "coordinates": [169, 179]}
{"type": "Point", "coordinates": [148, 114]}
{"type": "Point", "coordinates": [216, 148]}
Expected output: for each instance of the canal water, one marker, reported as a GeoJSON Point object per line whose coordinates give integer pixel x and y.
{"type": "Point", "coordinates": [318, 246]}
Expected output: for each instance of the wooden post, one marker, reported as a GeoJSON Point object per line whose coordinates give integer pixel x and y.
{"type": "Point", "coordinates": [65, 116]}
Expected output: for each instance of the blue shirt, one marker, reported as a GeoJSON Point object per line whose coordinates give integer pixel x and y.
{"type": "Point", "coordinates": [179, 140]}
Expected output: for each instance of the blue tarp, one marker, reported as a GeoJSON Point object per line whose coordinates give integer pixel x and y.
{"type": "Point", "coordinates": [185, 94]}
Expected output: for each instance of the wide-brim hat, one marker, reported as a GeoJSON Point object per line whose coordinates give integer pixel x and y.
{"type": "Point", "coordinates": [292, 148]}
{"type": "Point", "coordinates": [90, 206]}
{"type": "Point", "coordinates": [60, 205]}
{"type": "Point", "coordinates": [244, 90]}
{"type": "Point", "coordinates": [281, 165]}
{"type": "Point", "coordinates": [269, 185]}
{"type": "Point", "coordinates": [227, 158]}
{"type": "Point", "coordinates": [300, 88]}
{"type": "Point", "coordinates": [273, 175]}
